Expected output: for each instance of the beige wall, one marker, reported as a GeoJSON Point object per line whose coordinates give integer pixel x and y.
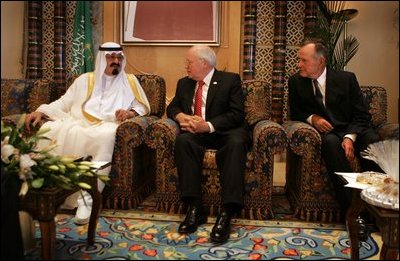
{"type": "Point", "coordinates": [167, 61]}
{"type": "Point", "coordinates": [377, 61]}
{"type": "Point", "coordinates": [12, 22]}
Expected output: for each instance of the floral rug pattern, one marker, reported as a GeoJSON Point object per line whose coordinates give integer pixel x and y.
{"type": "Point", "coordinates": [138, 235]}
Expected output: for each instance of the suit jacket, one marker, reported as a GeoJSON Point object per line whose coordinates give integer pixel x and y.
{"type": "Point", "coordinates": [345, 105]}
{"type": "Point", "coordinates": [224, 105]}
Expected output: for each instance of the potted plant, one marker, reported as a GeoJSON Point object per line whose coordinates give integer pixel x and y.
{"type": "Point", "coordinates": [331, 27]}
{"type": "Point", "coordinates": [40, 169]}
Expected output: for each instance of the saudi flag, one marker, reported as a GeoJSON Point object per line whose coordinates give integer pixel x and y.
{"type": "Point", "coordinates": [82, 46]}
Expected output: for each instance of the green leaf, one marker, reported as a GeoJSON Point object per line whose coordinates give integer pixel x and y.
{"type": "Point", "coordinates": [84, 185]}
{"type": "Point", "coordinates": [37, 183]}
{"type": "Point", "coordinates": [330, 26]}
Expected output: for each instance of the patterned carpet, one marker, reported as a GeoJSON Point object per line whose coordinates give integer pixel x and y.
{"type": "Point", "coordinates": [142, 235]}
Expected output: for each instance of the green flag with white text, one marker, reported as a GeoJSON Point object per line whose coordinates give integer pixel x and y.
{"type": "Point", "coordinates": [82, 45]}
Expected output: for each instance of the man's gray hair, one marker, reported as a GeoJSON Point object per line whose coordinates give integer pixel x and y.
{"type": "Point", "coordinates": [206, 53]}
{"type": "Point", "coordinates": [320, 47]}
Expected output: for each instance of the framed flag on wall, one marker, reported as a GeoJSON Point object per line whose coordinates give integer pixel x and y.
{"type": "Point", "coordinates": [170, 22]}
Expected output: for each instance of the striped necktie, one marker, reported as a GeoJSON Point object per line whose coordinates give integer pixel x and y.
{"type": "Point", "coordinates": [318, 94]}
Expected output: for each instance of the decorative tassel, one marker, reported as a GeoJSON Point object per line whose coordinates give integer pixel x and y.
{"type": "Point", "coordinates": [308, 215]}
{"type": "Point", "coordinates": [324, 217]}
{"type": "Point", "coordinates": [315, 215]}
{"type": "Point", "coordinates": [258, 213]}
{"type": "Point", "coordinates": [302, 214]}
{"type": "Point", "coordinates": [171, 209]}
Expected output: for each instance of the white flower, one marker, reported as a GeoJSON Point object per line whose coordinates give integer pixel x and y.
{"type": "Point", "coordinates": [24, 188]}
{"type": "Point", "coordinates": [39, 168]}
{"type": "Point", "coordinates": [25, 165]}
{"type": "Point", "coordinates": [7, 150]}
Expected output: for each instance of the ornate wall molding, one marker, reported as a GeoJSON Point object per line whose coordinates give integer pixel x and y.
{"type": "Point", "coordinates": [279, 29]}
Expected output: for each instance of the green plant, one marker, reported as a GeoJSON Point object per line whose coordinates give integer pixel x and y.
{"type": "Point", "coordinates": [331, 26]}
{"type": "Point", "coordinates": [40, 168]}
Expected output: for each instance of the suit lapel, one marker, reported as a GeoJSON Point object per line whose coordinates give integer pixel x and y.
{"type": "Point", "coordinates": [189, 96]}
{"type": "Point", "coordinates": [331, 88]}
{"type": "Point", "coordinates": [333, 93]}
{"type": "Point", "coordinates": [309, 88]}
{"type": "Point", "coordinates": [306, 90]}
{"type": "Point", "coordinates": [212, 89]}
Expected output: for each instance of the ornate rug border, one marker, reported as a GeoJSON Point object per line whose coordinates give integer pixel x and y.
{"type": "Point", "coordinates": [157, 216]}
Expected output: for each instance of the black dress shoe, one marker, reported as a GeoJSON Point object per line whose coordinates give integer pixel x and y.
{"type": "Point", "coordinates": [222, 228]}
{"type": "Point", "coordinates": [362, 230]}
{"type": "Point", "coordinates": [194, 217]}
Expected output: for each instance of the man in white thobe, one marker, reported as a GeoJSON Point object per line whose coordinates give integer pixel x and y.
{"type": "Point", "coordinates": [85, 119]}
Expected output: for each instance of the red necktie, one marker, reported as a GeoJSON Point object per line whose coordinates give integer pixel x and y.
{"type": "Point", "coordinates": [198, 98]}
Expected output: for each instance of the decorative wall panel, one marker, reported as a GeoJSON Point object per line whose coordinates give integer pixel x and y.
{"type": "Point", "coordinates": [71, 7]}
{"type": "Point", "coordinates": [249, 39]}
{"type": "Point", "coordinates": [50, 37]}
{"type": "Point", "coordinates": [265, 41]}
{"type": "Point", "coordinates": [275, 52]}
{"type": "Point", "coordinates": [34, 44]}
{"type": "Point", "coordinates": [278, 65]}
{"type": "Point", "coordinates": [263, 63]}
{"type": "Point", "coordinates": [60, 31]}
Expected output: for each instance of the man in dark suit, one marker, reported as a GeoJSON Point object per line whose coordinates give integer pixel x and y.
{"type": "Point", "coordinates": [209, 107]}
{"type": "Point", "coordinates": [332, 102]}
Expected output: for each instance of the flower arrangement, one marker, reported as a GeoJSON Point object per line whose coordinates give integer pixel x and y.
{"type": "Point", "coordinates": [40, 168]}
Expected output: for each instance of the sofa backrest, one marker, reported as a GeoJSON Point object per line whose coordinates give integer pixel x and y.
{"type": "Point", "coordinates": [155, 89]}
{"type": "Point", "coordinates": [26, 95]}
{"type": "Point", "coordinates": [23, 95]}
{"type": "Point", "coordinates": [257, 101]}
{"type": "Point", "coordinates": [376, 100]}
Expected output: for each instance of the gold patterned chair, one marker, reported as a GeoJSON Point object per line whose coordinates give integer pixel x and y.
{"type": "Point", "coordinates": [133, 173]}
{"type": "Point", "coordinates": [19, 96]}
{"type": "Point", "coordinates": [133, 167]}
{"type": "Point", "coordinates": [268, 138]}
{"type": "Point", "coordinates": [307, 184]}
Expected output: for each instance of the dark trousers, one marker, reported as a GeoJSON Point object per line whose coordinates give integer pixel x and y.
{"type": "Point", "coordinates": [11, 238]}
{"type": "Point", "coordinates": [231, 156]}
{"type": "Point", "coordinates": [336, 161]}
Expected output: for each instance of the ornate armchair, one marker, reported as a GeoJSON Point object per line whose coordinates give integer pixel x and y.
{"type": "Point", "coordinates": [19, 96]}
{"type": "Point", "coordinates": [133, 167]}
{"type": "Point", "coordinates": [268, 139]}
{"type": "Point", "coordinates": [307, 185]}
{"type": "Point", "coordinates": [133, 171]}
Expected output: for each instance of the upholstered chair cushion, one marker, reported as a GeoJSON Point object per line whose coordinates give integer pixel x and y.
{"type": "Point", "coordinates": [20, 96]}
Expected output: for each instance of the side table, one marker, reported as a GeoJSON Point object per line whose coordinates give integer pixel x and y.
{"type": "Point", "coordinates": [43, 205]}
{"type": "Point", "coordinates": [387, 221]}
